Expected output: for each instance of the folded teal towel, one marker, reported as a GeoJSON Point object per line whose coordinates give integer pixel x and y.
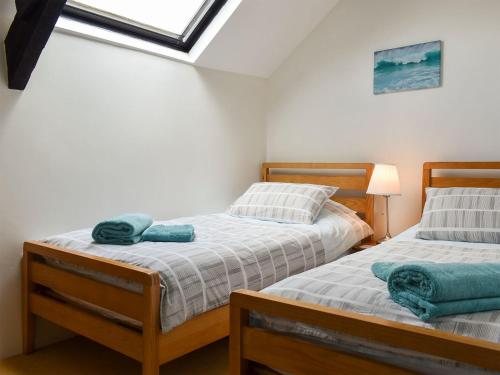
{"type": "Point", "coordinates": [431, 290]}
{"type": "Point", "coordinates": [383, 269]}
{"type": "Point", "coordinates": [122, 230]}
{"type": "Point", "coordinates": [169, 233]}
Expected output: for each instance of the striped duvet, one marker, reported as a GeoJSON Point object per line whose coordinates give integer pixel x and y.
{"type": "Point", "coordinates": [349, 284]}
{"type": "Point", "coordinates": [229, 253]}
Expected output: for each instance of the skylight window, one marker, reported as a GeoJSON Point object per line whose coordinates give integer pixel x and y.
{"type": "Point", "coordinates": [174, 23]}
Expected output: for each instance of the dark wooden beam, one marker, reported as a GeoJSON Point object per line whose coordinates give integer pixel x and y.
{"type": "Point", "coordinates": [27, 36]}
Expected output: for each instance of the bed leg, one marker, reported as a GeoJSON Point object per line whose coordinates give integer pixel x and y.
{"type": "Point", "coordinates": [151, 329]}
{"type": "Point", "coordinates": [238, 319]}
{"type": "Point", "coordinates": [150, 366]}
{"type": "Point", "coordinates": [28, 319]}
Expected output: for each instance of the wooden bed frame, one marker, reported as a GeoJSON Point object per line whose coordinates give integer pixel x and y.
{"type": "Point", "coordinates": [146, 345]}
{"type": "Point", "coordinates": [252, 347]}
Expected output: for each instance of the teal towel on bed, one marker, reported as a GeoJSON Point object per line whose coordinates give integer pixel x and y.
{"type": "Point", "coordinates": [169, 233]}
{"type": "Point", "coordinates": [383, 269]}
{"type": "Point", "coordinates": [122, 230]}
{"type": "Point", "coordinates": [431, 290]}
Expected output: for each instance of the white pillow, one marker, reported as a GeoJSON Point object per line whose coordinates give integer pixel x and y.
{"type": "Point", "coordinates": [282, 202]}
{"type": "Point", "coordinates": [341, 207]}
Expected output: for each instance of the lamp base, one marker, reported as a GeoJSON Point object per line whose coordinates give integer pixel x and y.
{"type": "Point", "coordinates": [387, 236]}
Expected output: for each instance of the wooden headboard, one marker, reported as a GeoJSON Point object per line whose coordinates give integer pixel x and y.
{"type": "Point", "coordinates": [352, 187]}
{"type": "Point", "coordinates": [428, 180]}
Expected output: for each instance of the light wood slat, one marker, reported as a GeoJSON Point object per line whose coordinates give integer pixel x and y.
{"type": "Point", "coordinates": [318, 165]}
{"type": "Point", "coordinates": [370, 203]}
{"type": "Point", "coordinates": [196, 333]}
{"type": "Point", "coordinates": [98, 293]}
{"type": "Point", "coordinates": [439, 343]}
{"type": "Point", "coordinates": [426, 182]}
{"type": "Point", "coordinates": [342, 182]}
{"type": "Point", "coordinates": [101, 330]}
{"type": "Point", "coordinates": [237, 320]}
{"type": "Point", "coordinates": [151, 329]}
{"type": "Point", "coordinates": [463, 165]}
{"type": "Point", "coordinates": [357, 204]}
{"type": "Point", "coordinates": [289, 354]}
{"type": "Point", "coordinates": [442, 182]}
{"type": "Point", "coordinates": [108, 266]}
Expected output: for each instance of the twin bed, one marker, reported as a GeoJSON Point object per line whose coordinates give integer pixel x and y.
{"type": "Point", "coordinates": [339, 318]}
{"type": "Point", "coordinates": [155, 302]}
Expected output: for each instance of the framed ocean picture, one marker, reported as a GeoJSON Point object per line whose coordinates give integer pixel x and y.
{"type": "Point", "coordinates": [407, 68]}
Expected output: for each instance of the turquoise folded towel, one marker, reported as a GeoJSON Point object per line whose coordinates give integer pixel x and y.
{"type": "Point", "coordinates": [121, 230]}
{"type": "Point", "coordinates": [383, 269]}
{"type": "Point", "coordinates": [169, 233]}
{"type": "Point", "coordinates": [431, 290]}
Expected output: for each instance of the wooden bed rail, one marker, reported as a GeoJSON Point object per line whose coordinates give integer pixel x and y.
{"type": "Point", "coordinates": [142, 306]}
{"type": "Point", "coordinates": [286, 353]}
{"type": "Point", "coordinates": [108, 266]}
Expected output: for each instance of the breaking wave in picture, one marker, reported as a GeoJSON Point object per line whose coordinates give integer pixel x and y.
{"type": "Point", "coordinates": [407, 68]}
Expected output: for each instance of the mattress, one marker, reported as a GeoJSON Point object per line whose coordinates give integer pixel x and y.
{"type": "Point", "coordinates": [228, 253]}
{"type": "Point", "coordinates": [348, 284]}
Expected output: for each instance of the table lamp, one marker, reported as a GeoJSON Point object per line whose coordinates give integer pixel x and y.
{"type": "Point", "coordinates": [385, 182]}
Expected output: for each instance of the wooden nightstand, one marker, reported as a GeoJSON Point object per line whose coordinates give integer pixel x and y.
{"type": "Point", "coordinates": [362, 246]}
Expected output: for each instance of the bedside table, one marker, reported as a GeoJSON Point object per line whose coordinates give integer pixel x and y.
{"type": "Point", "coordinates": [361, 247]}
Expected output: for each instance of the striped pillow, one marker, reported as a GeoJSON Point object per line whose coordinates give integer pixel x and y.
{"type": "Point", "coordinates": [282, 202]}
{"type": "Point", "coordinates": [461, 214]}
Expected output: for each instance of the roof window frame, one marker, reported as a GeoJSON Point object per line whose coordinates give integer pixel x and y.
{"type": "Point", "coordinates": [182, 43]}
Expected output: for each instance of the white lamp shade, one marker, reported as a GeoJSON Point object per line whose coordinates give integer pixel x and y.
{"type": "Point", "coordinates": [384, 181]}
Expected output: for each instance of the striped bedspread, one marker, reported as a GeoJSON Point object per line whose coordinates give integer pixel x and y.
{"type": "Point", "coordinates": [349, 284]}
{"type": "Point", "coordinates": [228, 253]}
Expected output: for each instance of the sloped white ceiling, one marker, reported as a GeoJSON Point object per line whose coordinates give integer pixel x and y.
{"type": "Point", "coordinates": [250, 37]}
{"type": "Point", "coordinates": [261, 34]}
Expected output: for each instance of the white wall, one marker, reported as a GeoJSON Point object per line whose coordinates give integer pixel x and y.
{"type": "Point", "coordinates": [321, 106]}
{"type": "Point", "coordinates": [102, 130]}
